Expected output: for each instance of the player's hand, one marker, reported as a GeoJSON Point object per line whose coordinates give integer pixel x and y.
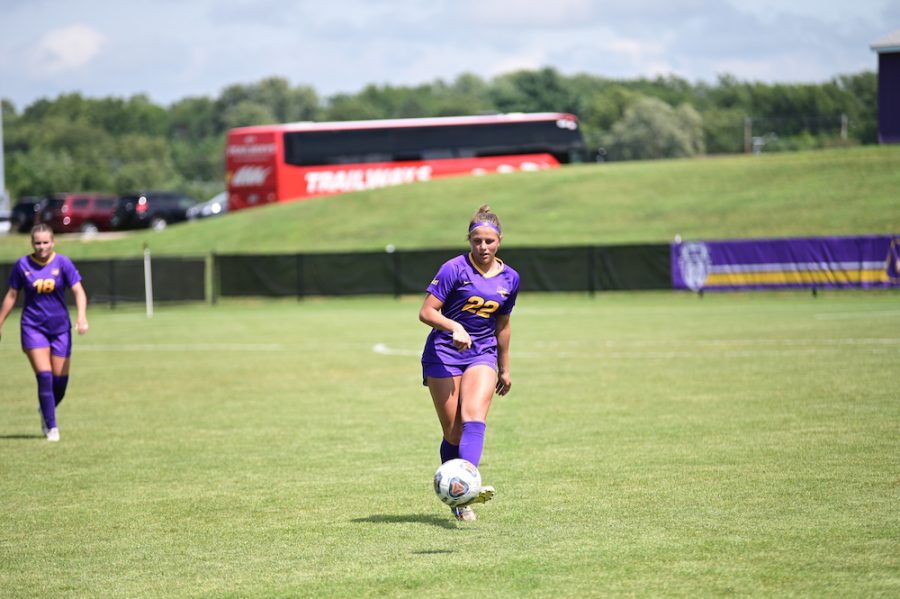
{"type": "Point", "coordinates": [81, 326]}
{"type": "Point", "coordinates": [504, 382]}
{"type": "Point", "coordinates": [461, 339]}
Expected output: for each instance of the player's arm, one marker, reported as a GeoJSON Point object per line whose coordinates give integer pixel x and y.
{"type": "Point", "coordinates": [503, 332]}
{"type": "Point", "coordinates": [9, 300]}
{"type": "Point", "coordinates": [431, 315]}
{"type": "Point", "coordinates": [81, 323]}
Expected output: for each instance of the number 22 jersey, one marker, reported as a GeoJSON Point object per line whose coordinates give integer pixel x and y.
{"type": "Point", "coordinates": [473, 299]}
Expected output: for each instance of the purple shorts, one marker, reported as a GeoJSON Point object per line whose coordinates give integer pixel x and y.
{"type": "Point", "coordinates": [438, 370]}
{"type": "Point", "coordinates": [59, 344]}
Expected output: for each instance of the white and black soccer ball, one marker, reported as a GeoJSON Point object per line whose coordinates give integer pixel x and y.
{"type": "Point", "coordinates": [457, 482]}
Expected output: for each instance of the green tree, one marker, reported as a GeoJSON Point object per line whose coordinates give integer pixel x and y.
{"type": "Point", "coordinates": [282, 103]}
{"type": "Point", "coordinates": [201, 159]}
{"type": "Point", "coordinates": [653, 129]}
{"type": "Point", "coordinates": [532, 91]}
{"type": "Point", "coordinates": [195, 119]}
{"type": "Point", "coordinates": [247, 113]}
{"type": "Point", "coordinates": [75, 143]}
{"type": "Point", "coordinates": [468, 94]}
{"type": "Point", "coordinates": [346, 107]}
{"type": "Point", "coordinates": [723, 130]}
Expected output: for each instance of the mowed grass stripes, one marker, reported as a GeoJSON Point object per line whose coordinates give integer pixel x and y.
{"type": "Point", "coordinates": [652, 445]}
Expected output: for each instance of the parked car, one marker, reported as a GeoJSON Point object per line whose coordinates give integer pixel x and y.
{"type": "Point", "coordinates": [5, 224]}
{"type": "Point", "coordinates": [215, 206]}
{"type": "Point", "coordinates": [85, 212]}
{"type": "Point", "coordinates": [153, 209]}
{"type": "Point", "coordinates": [25, 213]}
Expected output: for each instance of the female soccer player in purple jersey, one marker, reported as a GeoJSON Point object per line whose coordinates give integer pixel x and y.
{"type": "Point", "coordinates": [466, 356]}
{"type": "Point", "coordinates": [46, 329]}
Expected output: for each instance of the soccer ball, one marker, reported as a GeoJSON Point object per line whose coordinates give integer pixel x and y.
{"type": "Point", "coordinates": [457, 482]}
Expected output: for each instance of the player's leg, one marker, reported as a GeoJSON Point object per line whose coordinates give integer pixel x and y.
{"type": "Point", "coordinates": [445, 396]}
{"type": "Point", "coordinates": [60, 358]}
{"type": "Point", "coordinates": [476, 392]}
{"type": "Point", "coordinates": [442, 381]}
{"type": "Point", "coordinates": [39, 357]}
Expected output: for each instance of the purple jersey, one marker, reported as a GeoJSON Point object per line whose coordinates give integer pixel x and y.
{"type": "Point", "coordinates": [44, 285]}
{"type": "Point", "coordinates": [472, 299]}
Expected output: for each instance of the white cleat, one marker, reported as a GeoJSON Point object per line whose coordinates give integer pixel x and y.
{"type": "Point", "coordinates": [464, 513]}
{"type": "Point", "coordinates": [53, 435]}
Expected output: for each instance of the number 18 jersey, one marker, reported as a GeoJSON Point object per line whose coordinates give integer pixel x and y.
{"type": "Point", "coordinates": [473, 299]}
{"type": "Point", "coordinates": [44, 285]}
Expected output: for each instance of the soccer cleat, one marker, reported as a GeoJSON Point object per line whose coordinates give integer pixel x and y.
{"type": "Point", "coordinates": [53, 434]}
{"type": "Point", "coordinates": [464, 513]}
{"type": "Point", "coordinates": [44, 428]}
{"type": "Point", "coordinates": [486, 493]}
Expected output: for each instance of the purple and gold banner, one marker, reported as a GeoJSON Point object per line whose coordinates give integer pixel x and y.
{"type": "Point", "coordinates": [822, 262]}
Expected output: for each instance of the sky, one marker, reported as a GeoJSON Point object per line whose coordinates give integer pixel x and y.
{"type": "Point", "coordinates": [175, 49]}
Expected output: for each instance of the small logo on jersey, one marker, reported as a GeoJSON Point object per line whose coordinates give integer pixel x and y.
{"type": "Point", "coordinates": [434, 281]}
{"type": "Point", "coordinates": [27, 273]}
{"type": "Point", "coordinates": [503, 291]}
{"type": "Point", "coordinates": [55, 272]}
{"type": "Point", "coordinates": [466, 283]}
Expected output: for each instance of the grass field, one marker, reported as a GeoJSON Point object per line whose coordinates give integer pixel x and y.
{"type": "Point", "coordinates": [653, 445]}
{"type": "Point", "coordinates": [835, 192]}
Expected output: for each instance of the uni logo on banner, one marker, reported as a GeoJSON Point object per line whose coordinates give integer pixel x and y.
{"type": "Point", "coordinates": [893, 261]}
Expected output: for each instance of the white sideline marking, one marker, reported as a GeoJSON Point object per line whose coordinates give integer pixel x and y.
{"type": "Point", "coordinates": [184, 347]}
{"type": "Point", "coordinates": [717, 343]}
{"type": "Point", "coordinates": [384, 350]}
{"type": "Point", "coordinates": [851, 315]}
{"type": "Point", "coordinates": [705, 348]}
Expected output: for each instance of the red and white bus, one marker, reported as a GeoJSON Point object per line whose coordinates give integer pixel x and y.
{"type": "Point", "coordinates": [281, 163]}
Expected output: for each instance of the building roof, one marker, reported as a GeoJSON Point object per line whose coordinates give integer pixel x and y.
{"type": "Point", "coordinates": [888, 44]}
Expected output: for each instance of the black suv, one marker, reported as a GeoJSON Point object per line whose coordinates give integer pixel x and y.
{"type": "Point", "coordinates": [25, 213]}
{"type": "Point", "coordinates": [153, 209]}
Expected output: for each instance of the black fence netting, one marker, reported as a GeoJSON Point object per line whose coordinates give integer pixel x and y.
{"type": "Point", "coordinates": [589, 268]}
{"type": "Point", "coordinates": [122, 280]}
{"type": "Point", "coordinates": [174, 279]}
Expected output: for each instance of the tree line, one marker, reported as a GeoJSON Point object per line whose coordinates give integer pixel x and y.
{"type": "Point", "coordinates": [74, 143]}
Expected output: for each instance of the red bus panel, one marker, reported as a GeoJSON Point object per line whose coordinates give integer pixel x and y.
{"type": "Point", "coordinates": [251, 169]}
{"type": "Point", "coordinates": [281, 163]}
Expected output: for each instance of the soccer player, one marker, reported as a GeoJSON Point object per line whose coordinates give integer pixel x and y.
{"type": "Point", "coordinates": [46, 327]}
{"type": "Point", "coordinates": [466, 355]}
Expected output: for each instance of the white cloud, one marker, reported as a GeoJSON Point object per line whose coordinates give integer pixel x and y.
{"type": "Point", "coordinates": [635, 51]}
{"type": "Point", "coordinates": [515, 13]}
{"type": "Point", "coordinates": [64, 49]}
{"type": "Point", "coordinates": [172, 49]}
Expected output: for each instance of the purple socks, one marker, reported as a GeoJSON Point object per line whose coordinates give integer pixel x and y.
{"type": "Point", "coordinates": [472, 442]}
{"type": "Point", "coordinates": [449, 451]}
{"type": "Point", "coordinates": [45, 396]}
{"type": "Point", "coordinates": [59, 388]}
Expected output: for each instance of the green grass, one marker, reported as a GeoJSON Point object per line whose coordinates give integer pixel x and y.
{"type": "Point", "coordinates": [652, 445]}
{"type": "Point", "coordinates": [834, 192]}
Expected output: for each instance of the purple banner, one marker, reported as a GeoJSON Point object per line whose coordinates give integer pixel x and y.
{"type": "Point", "coordinates": [821, 262]}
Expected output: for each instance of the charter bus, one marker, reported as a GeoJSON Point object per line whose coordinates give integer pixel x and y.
{"type": "Point", "coordinates": [279, 163]}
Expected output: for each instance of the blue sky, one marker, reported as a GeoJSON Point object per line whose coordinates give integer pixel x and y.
{"type": "Point", "coordinates": [172, 49]}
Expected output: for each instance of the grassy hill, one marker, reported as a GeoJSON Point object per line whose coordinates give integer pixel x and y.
{"type": "Point", "coordinates": [834, 192]}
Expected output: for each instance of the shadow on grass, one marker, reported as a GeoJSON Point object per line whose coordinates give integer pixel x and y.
{"type": "Point", "coordinates": [20, 437]}
{"type": "Point", "coordinates": [441, 521]}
